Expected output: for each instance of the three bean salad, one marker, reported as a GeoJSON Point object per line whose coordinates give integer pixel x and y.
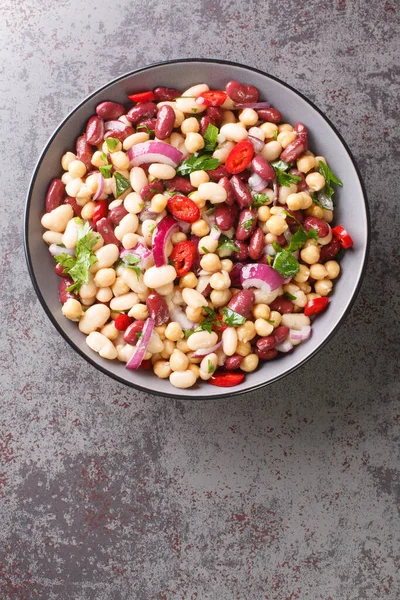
{"type": "Point", "coordinates": [192, 233]}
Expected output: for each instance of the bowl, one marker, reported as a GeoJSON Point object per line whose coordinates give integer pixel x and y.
{"type": "Point", "coordinates": [351, 210]}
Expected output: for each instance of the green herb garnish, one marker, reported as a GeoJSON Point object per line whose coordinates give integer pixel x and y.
{"type": "Point", "coordinates": [290, 296]}
{"type": "Point", "coordinates": [205, 250]}
{"type": "Point", "coordinates": [285, 263]}
{"type": "Point", "coordinates": [122, 184]}
{"type": "Point", "coordinates": [260, 200]}
{"type": "Point", "coordinates": [78, 266]}
{"type": "Point", "coordinates": [276, 135]}
{"type": "Point", "coordinates": [325, 195]}
{"type": "Point", "coordinates": [207, 324]}
{"type": "Point", "coordinates": [232, 318]}
{"type": "Point", "coordinates": [282, 177]}
{"type": "Point", "coordinates": [204, 162]}
{"type": "Point", "coordinates": [211, 367]}
{"type": "Point", "coordinates": [131, 261]}
{"type": "Point", "coordinates": [210, 138]}
{"type": "Point", "coordinates": [145, 129]}
{"type": "Point", "coordinates": [112, 143]}
{"type": "Point", "coordinates": [106, 171]}
{"type": "Point", "coordinates": [225, 243]}
{"type": "Point", "coordinates": [248, 224]}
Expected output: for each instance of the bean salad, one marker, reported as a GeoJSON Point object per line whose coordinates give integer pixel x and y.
{"type": "Point", "coordinates": [191, 232]}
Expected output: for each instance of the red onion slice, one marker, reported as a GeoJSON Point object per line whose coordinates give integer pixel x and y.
{"type": "Point", "coordinates": [152, 151]}
{"type": "Point", "coordinates": [275, 187]}
{"type": "Point", "coordinates": [136, 360]}
{"type": "Point", "coordinates": [100, 186]}
{"type": "Point", "coordinates": [258, 144]}
{"type": "Point", "coordinates": [255, 105]}
{"type": "Point", "coordinates": [303, 334]}
{"type": "Point", "coordinates": [162, 234]}
{"type": "Point", "coordinates": [257, 183]}
{"type": "Point", "coordinates": [204, 351]}
{"type": "Point", "coordinates": [184, 227]}
{"type": "Point", "coordinates": [56, 250]}
{"type": "Point", "coordinates": [115, 125]}
{"type": "Point", "coordinates": [142, 252]}
{"type": "Point", "coordinates": [285, 346]}
{"type": "Point", "coordinates": [215, 232]}
{"type": "Point", "coordinates": [260, 276]}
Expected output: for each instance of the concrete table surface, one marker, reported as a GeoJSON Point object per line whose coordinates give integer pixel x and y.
{"type": "Point", "coordinates": [289, 493]}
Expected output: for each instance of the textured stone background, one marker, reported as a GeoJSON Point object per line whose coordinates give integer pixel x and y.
{"type": "Point", "coordinates": [290, 493]}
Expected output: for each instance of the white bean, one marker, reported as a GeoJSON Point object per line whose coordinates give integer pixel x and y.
{"type": "Point", "coordinates": [138, 179]}
{"type": "Point", "coordinates": [101, 344]}
{"type": "Point", "coordinates": [196, 90]}
{"type": "Point", "coordinates": [189, 106]}
{"type": "Point", "coordinates": [105, 277]}
{"type": "Point", "coordinates": [202, 339]}
{"type": "Point", "coordinates": [57, 219]}
{"type": "Point", "coordinates": [128, 224]}
{"type": "Point", "coordinates": [96, 316]}
{"type": "Point", "coordinates": [70, 235]}
{"type": "Point", "coordinates": [89, 289]}
{"type": "Point", "coordinates": [193, 298]}
{"type": "Point", "coordinates": [52, 237]}
{"type": "Point", "coordinates": [131, 279]}
{"type": "Point", "coordinates": [295, 320]}
{"type": "Point", "coordinates": [156, 277]}
{"type": "Point", "coordinates": [229, 341]}
{"type": "Point", "coordinates": [182, 379]}
{"type": "Point", "coordinates": [161, 171]}
{"type": "Point", "coordinates": [208, 366]}
{"type": "Point", "coordinates": [234, 132]}
{"type": "Point", "coordinates": [124, 302]}
{"type": "Point", "coordinates": [134, 203]}
{"type": "Point", "coordinates": [106, 256]}
{"type": "Point", "coordinates": [213, 192]}
{"type": "Point", "coordinates": [155, 343]}
{"type": "Point", "coordinates": [135, 138]}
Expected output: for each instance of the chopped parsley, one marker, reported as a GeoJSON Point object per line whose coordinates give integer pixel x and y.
{"type": "Point", "coordinates": [207, 324]}
{"type": "Point", "coordinates": [275, 134]}
{"type": "Point", "coordinates": [210, 138]}
{"type": "Point", "coordinates": [204, 162]}
{"type": "Point", "coordinates": [122, 184]}
{"type": "Point", "coordinates": [324, 197]}
{"type": "Point", "coordinates": [205, 250]}
{"type": "Point", "coordinates": [105, 170]}
{"type": "Point", "coordinates": [285, 263]}
{"type": "Point", "coordinates": [282, 177]}
{"type": "Point", "coordinates": [260, 200]}
{"type": "Point", "coordinates": [232, 318]}
{"type": "Point", "coordinates": [131, 261]}
{"type": "Point", "coordinates": [78, 266]}
{"type": "Point", "coordinates": [248, 224]}
{"type": "Point", "coordinates": [290, 296]}
{"type": "Point", "coordinates": [225, 243]}
{"type": "Point", "coordinates": [211, 367]}
{"type": "Point", "coordinates": [112, 143]}
{"type": "Point", "coordinates": [145, 129]}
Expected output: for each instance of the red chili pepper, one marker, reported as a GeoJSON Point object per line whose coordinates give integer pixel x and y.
{"type": "Point", "coordinates": [184, 209]}
{"type": "Point", "coordinates": [239, 157]}
{"type": "Point", "coordinates": [343, 236]}
{"type": "Point", "coordinates": [122, 322]}
{"type": "Point", "coordinates": [142, 97]}
{"type": "Point", "coordinates": [218, 324]}
{"type": "Point", "coordinates": [146, 364]}
{"type": "Point", "coordinates": [183, 256]}
{"type": "Point", "coordinates": [315, 306]}
{"type": "Point", "coordinates": [211, 98]}
{"type": "Point", "coordinates": [100, 210]}
{"type": "Point", "coordinates": [223, 379]}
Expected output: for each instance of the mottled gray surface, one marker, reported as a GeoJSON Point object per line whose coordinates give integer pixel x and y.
{"type": "Point", "coordinates": [289, 493]}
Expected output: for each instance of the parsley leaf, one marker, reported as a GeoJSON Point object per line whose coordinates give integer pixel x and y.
{"type": "Point", "coordinates": [325, 195]}
{"type": "Point", "coordinates": [232, 318]}
{"type": "Point", "coordinates": [112, 143]}
{"type": "Point", "coordinates": [122, 184]}
{"type": "Point", "coordinates": [248, 224]}
{"type": "Point", "coordinates": [260, 200]}
{"type": "Point", "coordinates": [299, 238]}
{"type": "Point", "coordinates": [105, 170]}
{"type": "Point", "coordinates": [207, 324]}
{"type": "Point", "coordinates": [205, 250]}
{"type": "Point", "coordinates": [225, 243]}
{"type": "Point", "coordinates": [275, 134]}
{"type": "Point", "coordinates": [211, 367]}
{"type": "Point", "coordinates": [205, 162]}
{"type": "Point", "coordinates": [131, 261]}
{"type": "Point", "coordinates": [145, 129]}
{"type": "Point", "coordinates": [290, 296]}
{"type": "Point", "coordinates": [286, 264]}
{"type": "Point", "coordinates": [78, 266]}
{"type": "Point", "coordinates": [210, 138]}
{"type": "Point", "coordinates": [282, 177]}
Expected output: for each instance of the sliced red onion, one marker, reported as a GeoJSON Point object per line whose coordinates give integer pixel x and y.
{"type": "Point", "coordinates": [284, 346]}
{"type": "Point", "coordinates": [275, 187]}
{"type": "Point", "coordinates": [234, 275]}
{"type": "Point", "coordinates": [142, 252]}
{"type": "Point", "coordinates": [179, 316]}
{"type": "Point", "coordinates": [256, 105]}
{"type": "Point", "coordinates": [157, 152]}
{"type": "Point", "coordinates": [185, 227]}
{"type": "Point", "coordinates": [100, 186]}
{"type": "Point", "coordinates": [162, 234]}
{"type": "Point", "coordinates": [203, 283]}
{"type": "Point", "coordinates": [210, 219]}
{"type": "Point", "coordinates": [303, 334]}
{"type": "Point", "coordinates": [115, 125]}
{"type": "Point", "coordinates": [147, 213]}
{"type": "Point", "coordinates": [258, 144]}
{"type": "Point", "coordinates": [215, 232]}
{"type": "Point", "coordinates": [260, 276]}
{"type": "Point", "coordinates": [141, 347]}
{"type": "Point", "coordinates": [269, 250]}
{"type": "Point", "coordinates": [56, 250]}
{"type": "Point", "coordinates": [204, 351]}
{"type": "Point", "coordinates": [257, 183]}
{"type": "Point", "coordinates": [288, 235]}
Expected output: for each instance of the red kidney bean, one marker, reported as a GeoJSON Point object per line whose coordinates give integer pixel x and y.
{"type": "Point", "coordinates": [110, 110]}
{"type": "Point", "coordinates": [95, 130]}
{"type": "Point", "coordinates": [256, 245]}
{"type": "Point", "coordinates": [242, 303]}
{"type": "Point", "coordinates": [225, 215]}
{"type": "Point", "coordinates": [281, 240]}
{"type": "Point", "coordinates": [106, 230]}
{"type": "Point", "coordinates": [243, 251]}
{"type": "Point", "coordinates": [233, 362]}
{"type": "Point", "coordinates": [151, 189]}
{"type": "Point", "coordinates": [234, 275]}
{"type": "Point", "coordinates": [164, 94]}
{"type": "Point", "coordinates": [130, 333]}
{"type": "Point", "coordinates": [267, 354]}
{"type": "Point", "coordinates": [215, 112]}
{"type": "Point", "coordinates": [204, 123]}
{"type": "Point", "coordinates": [242, 193]}
{"type": "Point", "coordinates": [262, 168]}
{"type": "Point", "coordinates": [241, 93]}
{"type": "Point", "coordinates": [55, 194]}
{"type": "Point", "coordinates": [272, 115]}
{"type": "Point", "coordinates": [75, 206]}
{"type": "Point", "coordinates": [302, 185]}
{"type": "Point", "coordinates": [84, 151]}
{"type": "Point", "coordinates": [179, 184]}
{"type": "Point", "coordinates": [59, 270]}
{"type": "Point", "coordinates": [158, 309]}
{"type": "Point", "coordinates": [302, 133]}
{"type": "Point", "coordinates": [216, 174]}
{"type": "Point", "coordinates": [316, 223]}
{"type": "Point", "coordinates": [117, 213]}
{"type": "Point", "coordinates": [230, 196]}
{"type": "Point", "coordinates": [145, 124]}
{"type": "Point", "coordinates": [282, 305]}
{"type": "Point", "coordinates": [141, 111]}
{"type": "Point", "coordinates": [120, 135]}
{"type": "Point", "coordinates": [329, 251]}
{"type": "Point", "coordinates": [62, 290]}
{"type": "Point", "coordinates": [294, 150]}
{"type": "Point", "coordinates": [247, 223]}
{"type": "Point", "coordinates": [280, 334]}
{"type": "Point", "coordinates": [266, 343]}
{"type": "Point", "coordinates": [297, 216]}
{"type": "Point", "coordinates": [164, 122]}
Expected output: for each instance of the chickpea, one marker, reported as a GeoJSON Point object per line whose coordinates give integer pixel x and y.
{"type": "Point", "coordinates": [310, 254]}
{"type": "Point", "coordinates": [271, 151]}
{"type": "Point", "coordinates": [182, 345]}
{"type": "Point", "coordinates": [194, 368]}
{"type": "Point", "coordinates": [178, 361]}
{"type": "Point", "coordinates": [162, 369]}
{"type": "Point", "coordinates": [158, 203]}
{"type": "Point", "coordinates": [173, 331]}
{"type": "Point", "coordinates": [176, 140]}
{"type": "Point", "coordinates": [120, 288]}
{"type": "Point", "coordinates": [294, 201]}
{"type": "Point", "coordinates": [303, 274]}
{"type": "Point", "coordinates": [200, 228]}
{"type": "Point", "coordinates": [269, 129]}
{"type": "Point", "coordinates": [197, 199]}
{"type": "Point", "coordinates": [207, 245]}
{"type": "Point", "coordinates": [286, 137]}
{"type": "Point", "coordinates": [285, 191]}
{"type": "Point", "coordinates": [189, 280]}
{"type": "Point", "coordinates": [198, 177]}
{"type": "Point", "coordinates": [220, 281]}
{"type": "Point", "coordinates": [105, 277]}
{"type": "Point", "coordinates": [139, 312]}
{"type": "Point", "coordinates": [109, 331]}
{"type": "Point", "coordinates": [323, 287]}
{"type": "Point", "coordinates": [221, 153]}
{"type": "Point", "coordinates": [194, 314]}
{"type": "Point", "coordinates": [243, 348]}
{"type": "Point", "coordinates": [129, 240]}
{"type": "Point", "coordinates": [76, 169]}
{"type": "Point", "coordinates": [88, 211]}
{"type": "Point", "coordinates": [315, 211]}
{"type": "Point", "coordinates": [168, 349]}
{"type": "Point", "coordinates": [312, 296]}
{"type": "Point", "coordinates": [227, 265]}
{"type": "Point", "coordinates": [315, 181]}
{"type": "Point", "coordinates": [248, 117]}
{"type": "Point", "coordinates": [67, 160]}
{"type": "Point", "coordinates": [263, 328]}
{"type": "Point", "coordinates": [190, 125]}
{"type": "Point", "coordinates": [72, 309]}
{"type": "Point", "coordinates": [332, 268]}
{"type": "Point", "coordinates": [304, 287]}
{"type": "Point", "coordinates": [306, 162]}
{"type": "Point", "coordinates": [264, 213]}
{"type": "Point", "coordinates": [246, 332]}
{"type": "Point", "coordinates": [277, 225]}
{"type": "Point", "coordinates": [318, 271]}
{"type": "Point", "coordinates": [210, 262]}
{"type": "Point", "coordinates": [249, 363]}
{"type": "Point", "coordinates": [261, 311]}
{"type": "Point", "coordinates": [328, 215]}
{"type": "Point", "coordinates": [104, 294]}
{"type": "Point", "coordinates": [177, 237]}
{"type": "Point", "coordinates": [120, 160]}
{"type": "Point", "coordinates": [220, 297]}
{"type": "Point", "coordinates": [194, 142]}
{"type": "Point", "coordinates": [228, 116]}
{"type": "Point", "coordinates": [161, 329]}
{"type": "Point", "coordinates": [275, 318]}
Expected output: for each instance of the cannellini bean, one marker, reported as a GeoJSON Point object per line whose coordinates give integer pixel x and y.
{"type": "Point", "coordinates": [128, 224]}
{"type": "Point", "coordinates": [72, 309]}
{"type": "Point", "coordinates": [125, 352]}
{"type": "Point", "coordinates": [196, 90]}
{"type": "Point", "coordinates": [155, 343]}
{"type": "Point", "coordinates": [101, 344]}
{"type": "Point", "coordinates": [138, 179]}
{"type": "Point", "coordinates": [189, 106]}
{"type": "Point", "coordinates": [96, 316]}
{"type": "Point", "coordinates": [193, 298]}
{"type": "Point", "coordinates": [57, 219]}
{"type": "Point", "coordinates": [208, 366]}
{"type": "Point", "coordinates": [106, 256]}
{"type": "Point", "coordinates": [202, 339]}
{"type": "Point", "coordinates": [295, 321]}
{"type": "Point", "coordinates": [214, 192]}
{"type": "Point", "coordinates": [70, 235]}
{"type": "Point", "coordinates": [124, 302]}
{"type": "Point", "coordinates": [234, 132]}
{"type": "Point", "coordinates": [52, 237]}
{"type": "Point", "coordinates": [182, 379]}
{"type": "Point", "coordinates": [156, 277]}
{"type": "Point", "coordinates": [135, 138]}
{"type": "Point", "coordinates": [130, 278]}
{"type": "Point", "coordinates": [89, 289]}
{"type": "Point", "coordinates": [134, 203]}
{"type": "Point", "coordinates": [229, 341]}
{"type": "Point", "coordinates": [161, 171]}
{"type": "Point", "coordinates": [105, 277]}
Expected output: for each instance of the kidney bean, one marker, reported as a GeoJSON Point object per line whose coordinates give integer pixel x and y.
{"type": "Point", "coordinates": [141, 111]}
{"type": "Point", "coordinates": [151, 189]}
{"type": "Point", "coordinates": [106, 230]}
{"type": "Point", "coordinates": [204, 123]}
{"type": "Point", "coordinates": [241, 93]}
{"type": "Point", "coordinates": [179, 184]}
{"type": "Point", "coordinates": [215, 112]}
{"type": "Point", "coordinates": [234, 275]}
{"type": "Point", "coordinates": [216, 174]}
{"type": "Point", "coordinates": [158, 309]}
{"type": "Point", "coordinates": [282, 305]}
{"type": "Point", "coordinates": [130, 334]}
{"type": "Point", "coordinates": [110, 110]}
{"type": "Point", "coordinates": [243, 251]}
{"type": "Point", "coordinates": [266, 354]}
{"type": "Point", "coordinates": [164, 94]}
{"type": "Point", "coordinates": [119, 135]}
{"type": "Point", "coordinates": [84, 151]}
{"type": "Point", "coordinates": [145, 124]}
{"type": "Point", "coordinates": [297, 216]}
{"type": "Point", "coordinates": [95, 130]}
{"type": "Point", "coordinates": [247, 223]}
{"type": "Point", "coordinates": [280, 334]}
{"type": "Point", "coordinates": [117, 213]}
{"type": "Point", "coordinates": [55, 194]}
{"type": "Point", "coordinates": [329, 251]}
{"type": "Point", "coordinates": [230, 196]}
{"type": "Point", "coordinates": [302, 133]}
{"type": "Point", "coordinates": [62, 290]}
{"type": "Point", "coordinates": [232, 363]}
{"type": "Point", "coordinates": [266, 343]}
{"type": "Point", "coordinates": [241, 192]}
{"type": "Point", "coordinates": [59, 270]}
{"type": "Point", "coordinates": [294, 150]}
{"type": "Point", "coordinates": [272, 115]}
{"type": "Point", "coordinates": [256, 245]}
{"type": "Point", "coordinates": [302, 185]}
{"type": "Point", "coordinates": [242, 303]}
{"type": "Point", "coordinates": [164, 122]}
{"type": "Point", "coordinates": [262, 168]}
{"type": "Point", "coordinates": [281, 240]}
{"type": "Point", "coordinates": [75, 206]}
{"type": "Point", "coordinates": [225, 215]}
{"type": "Point", "coordinates": [315, 223]}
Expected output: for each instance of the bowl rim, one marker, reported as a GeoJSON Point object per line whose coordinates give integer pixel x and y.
{"type": "Point", "coordinates": [232, 391]}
